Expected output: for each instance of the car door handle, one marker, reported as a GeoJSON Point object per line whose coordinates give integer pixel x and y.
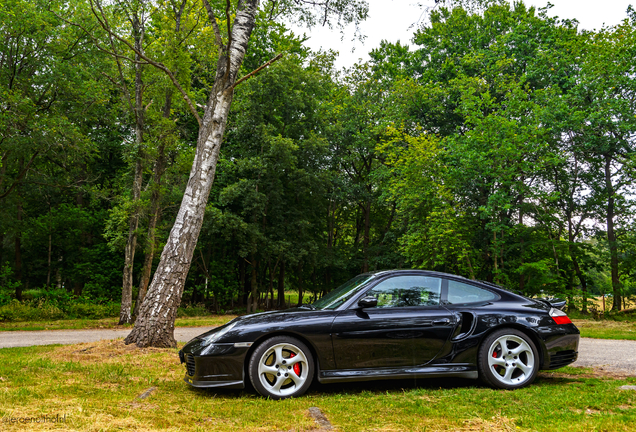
{"type": "Point", "coordinates": [443, 321]}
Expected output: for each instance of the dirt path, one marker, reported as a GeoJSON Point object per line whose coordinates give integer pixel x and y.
{"type": "Point", "coordinates": [610, 355]}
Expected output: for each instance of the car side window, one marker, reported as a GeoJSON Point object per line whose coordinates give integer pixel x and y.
{"type": "Point", "coordinates": [459, 293]}
{"type": "Point", "coordinates": [405, 291]}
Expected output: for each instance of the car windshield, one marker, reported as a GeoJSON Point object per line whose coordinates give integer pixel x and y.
{"type": "Point", "coordinates": [343, 293]}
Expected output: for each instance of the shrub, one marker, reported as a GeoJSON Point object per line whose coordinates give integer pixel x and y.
{"type": "Point", "coordinates": [32, 311]}
{"type": "Point", "coordinates": [7, 284]}
{"type": "Point", "coordinates": [57, 306]}
{"type": "Point", "coordinates": [93, 311]}
{"type": "Point", "coordinates": [192, 311]}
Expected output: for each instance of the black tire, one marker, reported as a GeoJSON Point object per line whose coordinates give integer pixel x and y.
{"type": "Point", "coordinates": [279, 376]}
{"type": "Point", "coordinates": [508, 359]}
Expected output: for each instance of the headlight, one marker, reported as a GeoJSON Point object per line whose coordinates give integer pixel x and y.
{"type": "Point", "coordinates": [216, 336]}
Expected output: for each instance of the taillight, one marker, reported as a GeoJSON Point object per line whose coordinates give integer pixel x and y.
{"type": "Point", "coordinates": [559, 316]}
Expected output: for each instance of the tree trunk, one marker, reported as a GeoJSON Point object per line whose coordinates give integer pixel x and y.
{"type": "Point", "coordinates": [281, 285]}
{"type": "Point", "coordinates": [575, 263]}
{"type": "Point", "coordinates": [300, 283]}
{"type": "Point", "coordinates": [272, 270]}
{"type": "Point", "coordinates": [48, 267]}
{"type": "Point", "coordinates": [367, 236]}
{"type": "Point", "coordinates": [18, 254]}
{"type": "Point", "coordinates": [155, 324]}
{"type": "Point", "coordinates": [241, 296]}
{"type": "Point", "coordinates": [611, 235]}
{"type": "Point", "coordinates": [125, 315]}
{"type": "Point", "coordinates": [252, 302]}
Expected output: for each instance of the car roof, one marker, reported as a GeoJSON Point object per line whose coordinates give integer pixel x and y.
{"type": "Point", "coordinates": [427, 272]}
{"type": "Point", "coordinates": [441, 274]}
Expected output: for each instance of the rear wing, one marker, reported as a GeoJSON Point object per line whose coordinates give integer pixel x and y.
{"type": "Point", "coordinates": [554, 302]}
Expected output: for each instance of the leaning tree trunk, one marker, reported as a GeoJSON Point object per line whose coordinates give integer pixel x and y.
{"type": "Point", "coordinates": [155, 324]}
{"type": "Point", "coordinates": [125, 313]}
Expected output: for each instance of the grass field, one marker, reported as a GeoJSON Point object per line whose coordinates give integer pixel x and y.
{"type": "Point", "coordinates": [97, 386]}
{"type": "Point", "coordinates": [607, 329]}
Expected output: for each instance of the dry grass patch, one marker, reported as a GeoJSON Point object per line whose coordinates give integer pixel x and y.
{"type": "Point", "coordinates": [494, 424]}
{"type": "Point", "coordinates": [109, 351]}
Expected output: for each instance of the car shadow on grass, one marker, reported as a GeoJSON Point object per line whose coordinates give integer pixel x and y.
{"type": "Point", "coordinates": [399, 386]}
{"type": "Point", "coordinates": [391, 386]}
{"type": "Point", "coordinates": [352, 388]}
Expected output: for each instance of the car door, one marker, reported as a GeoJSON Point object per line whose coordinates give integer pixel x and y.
{"type": "Point", "coordinates": [408, 327]}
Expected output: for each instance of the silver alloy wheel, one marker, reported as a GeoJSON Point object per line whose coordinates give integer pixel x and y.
{"type": "Point", "coordinates": [511, 360]}
{"type": "Point", "coordinates": [283, 369]}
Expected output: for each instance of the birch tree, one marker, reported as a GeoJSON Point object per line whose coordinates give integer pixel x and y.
{"type": "Point", "coordinates": [154, 325]}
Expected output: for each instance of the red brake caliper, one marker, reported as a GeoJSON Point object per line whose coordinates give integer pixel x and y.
{"type": "Point", "coordinates": [494, 354]}
{"type": "Point", "coordinates": [296, 366]}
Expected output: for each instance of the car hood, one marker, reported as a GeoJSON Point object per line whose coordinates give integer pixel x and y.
{"type": "Point", "coordinates": [263, 318]}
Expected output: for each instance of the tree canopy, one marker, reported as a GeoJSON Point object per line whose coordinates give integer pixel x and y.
{"type": "Point", "coordinates": [498, 146]}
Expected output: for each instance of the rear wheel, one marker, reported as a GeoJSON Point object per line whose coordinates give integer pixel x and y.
{"type": "Point", "coordinates": [508, 359]}
{"type": "Point", "coordinates": [281, 367]}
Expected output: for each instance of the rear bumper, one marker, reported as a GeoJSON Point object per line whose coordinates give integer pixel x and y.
{"type": "Point", "coordinates": [562, 358]}
{"type": "Point", "coordinates": [561, 344]}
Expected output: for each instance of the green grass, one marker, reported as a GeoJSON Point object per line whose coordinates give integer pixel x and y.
{"type": "Point", "coordinates": [96, 385]}
{"type": "Point", "coordinates": [607, 329]}
{"type": "Point", "coordinates": [107, 323]}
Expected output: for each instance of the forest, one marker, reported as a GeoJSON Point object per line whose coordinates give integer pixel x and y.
{"type": "Point", "coordinates": [498, 144]}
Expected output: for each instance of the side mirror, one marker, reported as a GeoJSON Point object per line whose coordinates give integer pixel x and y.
{"type": "Point", "coordinates": [368, 302]}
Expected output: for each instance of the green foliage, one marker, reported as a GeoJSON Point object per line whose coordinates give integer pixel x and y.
{"type": "Point", "coordinates": [7, 284]}
{"type": "Point", "coordinates": [483, 150]}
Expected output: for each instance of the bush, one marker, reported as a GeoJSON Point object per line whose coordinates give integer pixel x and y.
{"type": "Point", "coordinates": [55, 307]}
{"type": "Point", "coordinates": [192, 311]}
{"type": "Point", "coordinates": [7, 284]}
{"type": "Point", "coordinates": [93, 311]}
{"type": "Point", "coordinates": [23, 311]}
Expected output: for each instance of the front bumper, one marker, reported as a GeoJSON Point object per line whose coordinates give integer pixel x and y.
{"type": "Point", "coordinates": [215, 384]}
{"type": "Point", "coordinates": [215, 365]}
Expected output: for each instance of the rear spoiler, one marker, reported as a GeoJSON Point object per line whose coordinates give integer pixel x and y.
{"type": "Point", "coordinates": [554, 302]}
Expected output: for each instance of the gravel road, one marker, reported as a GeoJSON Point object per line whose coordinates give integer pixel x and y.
{"type": "Point", "coordinates": [610, 355]}
{"type": "Point", "coordinates": [10, 339]}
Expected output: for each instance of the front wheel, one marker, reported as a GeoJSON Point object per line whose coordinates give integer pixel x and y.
{"type": "Point", "coordinates": [281, 367]}
{"type": "Point", "coordinates": [508, 359]}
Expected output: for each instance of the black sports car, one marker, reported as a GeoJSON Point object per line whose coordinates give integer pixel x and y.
{"type": "Point", "coordinates": [384, 325]}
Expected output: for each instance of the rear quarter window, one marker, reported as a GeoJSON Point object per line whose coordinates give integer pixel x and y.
{"type": "Point", "coordinates": [461, 293]}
